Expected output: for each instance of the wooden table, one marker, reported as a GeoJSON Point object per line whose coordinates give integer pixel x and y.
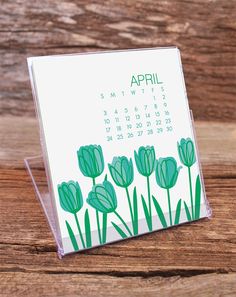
{"type": "Point", "coordinates": [197, 259]}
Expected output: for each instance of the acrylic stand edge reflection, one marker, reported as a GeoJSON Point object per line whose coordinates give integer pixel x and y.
{"type": "Point", "coordinates": [36, 170]}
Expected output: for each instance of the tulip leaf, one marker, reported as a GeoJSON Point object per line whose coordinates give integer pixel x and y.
{"type": "Point", "coordinates": [72, 237]}
{"type": "Point", "coordinates": [135, 211]}
{"type": "Point", "coordinates": [197, 198]}
{"type": "Point", "coordinates": [87, 229]}
{"type": "Point", "coordinates": [177, 213]}
{"type": "Point", "coordinates": [119, 230]}
{"type": "Point", "coordinates": [147, 215]}
{"type": "Point", "coordinates": [159, 212]}
{"type": "Point", "coordinates": [187, 212]}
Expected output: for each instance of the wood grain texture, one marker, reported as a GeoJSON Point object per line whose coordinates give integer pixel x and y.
{"type": "Point", "coordinates": [204, 31]}
{"type": "Point", "coordinates": [197, 259]}
{"type": "Point", "coordinates": [188, 255]}
{"type": "Point", "coordinates": [20, 138]}
{"type": "Point", "coordinates": [183, 250]}
{"type": "Point", "coordinates": [100, 285]}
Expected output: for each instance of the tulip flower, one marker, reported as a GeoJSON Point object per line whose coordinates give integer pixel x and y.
{"type": "Point", "coordinates": [186, 152]}
{"type": "Point", "coordinates": [91, 161]}
{"type": "Point", "coordinates": [71, 200]}
{"type": "Point", "coordinates": [122, 173]}
{"type": "Point", "coordinates": [145, 161]}
{"type": "Point", "coordinates": [188, 158]}
{"type": "Point", "coordinates": [103, 198]}
{"type": "Point", "coordinates": [166, 176]}
{"type": "Point", "coordinates": [91, 164]}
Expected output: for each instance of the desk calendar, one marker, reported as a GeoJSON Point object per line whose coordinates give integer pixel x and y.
{"type": "Point", "coordinates": [118, 144]}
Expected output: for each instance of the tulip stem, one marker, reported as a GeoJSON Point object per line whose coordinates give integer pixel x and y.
{"type": "Point", "coordinates": [149, 202]}
{"type": "Point", "coordinates": [123, 222]}
{"type": "Point", "coordinates": [170, 212]}
{"type": "Point", "coordinates": [191, 191]}
{"type": "Point", "coordinates": [130, 207]}
{"type": "Point", "coordinates": [104, 227]}
{"type": "Point", "coordinates": [97, 218]}
{"type": "Point", "coordinates": [79, 229]}
{"type": "Point", "coordinates": [98, 224]}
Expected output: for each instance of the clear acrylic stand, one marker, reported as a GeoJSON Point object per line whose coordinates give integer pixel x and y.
{"type": "Point", "coordinates": [36, 169]}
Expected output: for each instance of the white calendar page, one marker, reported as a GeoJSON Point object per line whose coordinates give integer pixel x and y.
{"type": "Point", "coordinates": [119, 144]}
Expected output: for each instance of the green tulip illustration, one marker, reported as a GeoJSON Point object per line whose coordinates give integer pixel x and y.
{"type": "Point", "coordinates": [91, 164]}
{"type": "Point", "coordinates": [71, 200]}
{"type": "Point", "coordinates": [188, 158]}
{"type": "Point", "coordinates": [145, 161]}
{"type": "Point", "coordinates": [122, 173]}
{"type": "Point", "coordinates": [166, 176]}
{"type": "Point", "coordinates": [103, 198]}
{"type": "Point", "coordinates": [186, 152]}
{"type": "Point", "coordinates": [91, 161]}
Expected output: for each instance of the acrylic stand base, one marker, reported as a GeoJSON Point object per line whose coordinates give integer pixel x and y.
{"type": "Point", "coordinates": [36, 170]}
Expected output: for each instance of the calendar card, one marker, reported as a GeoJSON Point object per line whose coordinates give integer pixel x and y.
{"type": "Point", "coordinates": [118, 144]}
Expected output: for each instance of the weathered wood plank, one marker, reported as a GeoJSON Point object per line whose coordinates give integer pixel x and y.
{"type": "Point", "coordinates": [210, 87]}
{"type": "Point", "coordinates": [69, 23]}
{"type": "Point", "coordinates": [103, 285]}
{"type": "Point", "coordinates": [155, 264]}
{"type": "Point", "coordinates": [207, 42]}
{"type": "Point", "coordinates": [217, 143]}
{"type": "Point", "coordinates": [176, 251]}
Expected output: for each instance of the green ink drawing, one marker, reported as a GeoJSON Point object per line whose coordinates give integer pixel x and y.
{"type": "Point", "coordinates": [71, 200]}
{"type": "Point", "coordinates": [122, 173]}
{"type": "Point", "coordinates": [187, 212]}
{"type": "Point", "coordinates": [87, 229]}
{"type": "Point", "coordinates": [72, 236]}
{"type": "Point", "coordinates": [177, 212]}
{"type": "Point", "coordinates": [187, 157]}
{"type": "Point", "coordinates": [91, 164]}
{"type": "Point", "coordinates": [145, 162]}
{"type": "Point", "coordinates": [160, 213]}
{"type": "Point", "coordinates": [103, 199]}
{"type": "Point", "coordinates": [91, 161]}
{"type": "Point", "coordinates": [197, 198]}
{"type": "Point", "coordinates": [119, 230]}
{"type": "Point", "coordinates": [102, 196]}
{"type": "Point", "coordinates": [135, 211]}
{"type": "Point", "coordinates": [166, 176]}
